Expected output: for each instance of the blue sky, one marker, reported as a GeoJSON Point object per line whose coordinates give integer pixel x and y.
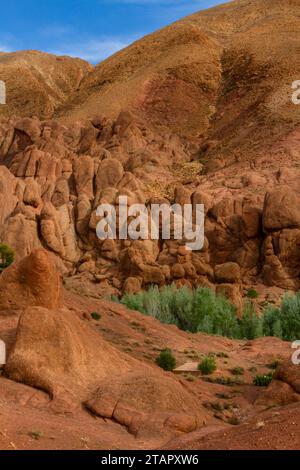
{"type": "Point", "coordinates": [91, 29]}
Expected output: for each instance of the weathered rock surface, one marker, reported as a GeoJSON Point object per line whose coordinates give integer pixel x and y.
{"type": "Point", "coordinates": [143, 133]}
{"type": "Point", "coordinates": [33, 282]}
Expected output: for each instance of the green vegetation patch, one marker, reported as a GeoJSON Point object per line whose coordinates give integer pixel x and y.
{"type": "Point", "coordinates": [166, 360]}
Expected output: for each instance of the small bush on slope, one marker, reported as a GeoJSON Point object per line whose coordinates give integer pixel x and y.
{"type": "Point", "coordinates": [7, 256]}
{"type": "Point", "coordinates": [252, 294]}
{"type": "Point", "coordinates": [263, 380]}
{"type": "Point", "coordinates": [166, 360]}
{"type": "Point", "coordinates": [208, 365]}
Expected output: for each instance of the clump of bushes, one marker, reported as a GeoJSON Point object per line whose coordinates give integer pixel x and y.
{"type": "Point", "coordinates": [208, 365]}
{"type": "Point", "coordinates": [191, 310]}
{"type": "Point", "coordinates": [201, 310]}
{"type": "Point", "coordinates": [263, 380]}
{"type": "Point", "coordinates": [283, 322]}
{"type": "Point", "coordinates": [166, 360]}
{"type": "Point", "coordinates": [7, 256]}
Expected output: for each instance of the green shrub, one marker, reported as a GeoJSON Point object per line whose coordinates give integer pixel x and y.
{"type": "Point", "coordinates": [263, 380]}
{"type": "Point", "coordinates": [166, 360]}
{"type": "Point", "coordinates": [134, 302]}
{"type": "Point", "coordinates": [7, 256]}
{"type": "Point", "coordinates": [208, 365]}
{"type": "Point", "coordinates": [96, 316]}
{"type": "Point", "coordinates": [252, 294]}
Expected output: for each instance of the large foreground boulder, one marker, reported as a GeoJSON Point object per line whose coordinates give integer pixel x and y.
{"type": "Point", "coordinates": [60, 353]}
{"type": "Point", "coordinates": [34, 281]}
{"type": "Point", "coordinates": [145, 401]}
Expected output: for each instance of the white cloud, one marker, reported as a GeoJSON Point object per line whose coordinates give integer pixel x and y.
{"type": "Point", "coordinates": [94, 50]}
{"type": "Point", "coordinates": [4, 48]}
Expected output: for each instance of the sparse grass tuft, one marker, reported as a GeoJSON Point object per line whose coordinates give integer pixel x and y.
{"type": "Point", "coordinates": [35, 435]}
{"type": "Point", "coordinates": [237, 371]}
{"type": "Point", "coordinates": [273, 365]}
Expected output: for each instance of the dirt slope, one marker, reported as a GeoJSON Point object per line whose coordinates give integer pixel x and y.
{"type": "Point", "coordinates": [38, 83]}
{"type": "Point", "coordinates": [94, 384]}
{"type": "Point", "coordinates": [271, 430]}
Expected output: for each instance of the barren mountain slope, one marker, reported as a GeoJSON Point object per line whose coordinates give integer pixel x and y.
{"type": "Point", "coordinates": [223, 74]}
{"type": "Point", "coordinates": [170, 77]}
{"type": "Point", "coordinates": [38, 83]}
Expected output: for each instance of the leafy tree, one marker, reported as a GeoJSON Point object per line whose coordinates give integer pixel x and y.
{"type": "Point", "coordinates": [250, 324]}
{"type": "Point", "coordinates": [270, 318]}
{"type": "Point", "coordinates": [290, 317]}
